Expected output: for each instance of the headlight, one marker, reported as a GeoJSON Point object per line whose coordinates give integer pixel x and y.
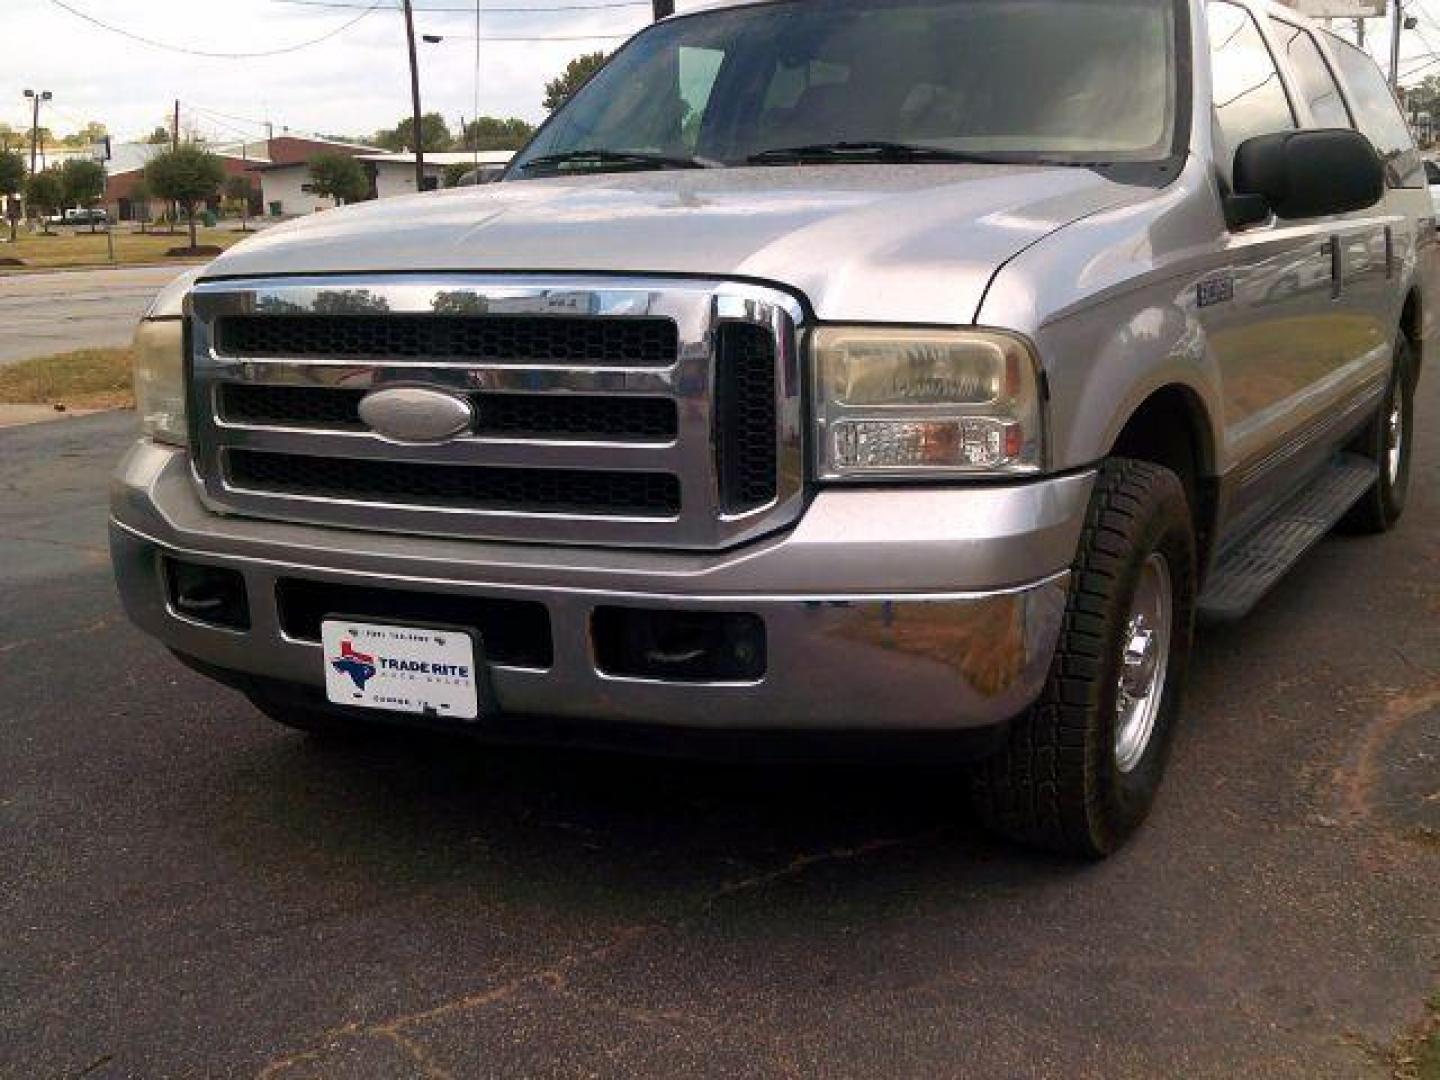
{"type": "Point", "coordinates": [160, 362]}
{"type": "Point", "coordinates": [902, 403]}
{"type": "Point", "coordinates": [160, 379]}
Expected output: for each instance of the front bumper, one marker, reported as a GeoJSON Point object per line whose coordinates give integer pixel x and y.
{"type": "Point", "coordinates": [905, 609]}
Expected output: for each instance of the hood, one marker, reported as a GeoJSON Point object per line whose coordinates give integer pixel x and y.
{"type": "Point", "coordinates": [878, 243]}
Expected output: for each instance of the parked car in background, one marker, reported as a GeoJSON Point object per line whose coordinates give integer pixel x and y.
{"type": "Point", "coordinates": [80, 217]}
{"type": "Point", "coordinates": [783, 387]}
{"type": "Point", "coordinates": [1432, 180]}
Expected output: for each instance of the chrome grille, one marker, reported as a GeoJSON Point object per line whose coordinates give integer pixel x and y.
{"type": "Point", "coordinates": [568, 416]}
{"type": "Point", "coordinates": [459, 487]}
{"type": "Point", "coordinates": [637, 412]}
{"type": "Point", "coordinates": [491, 339]}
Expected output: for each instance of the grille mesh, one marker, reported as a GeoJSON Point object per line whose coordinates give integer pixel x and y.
{"type": "Point", "coordinates": [745, 416]}
{"type": "Point", "coordinates": [619, 418]}
{"type": "Point", "coordinates": [491, 339]}
{"type": "Point", "coordinates": [554, 491]}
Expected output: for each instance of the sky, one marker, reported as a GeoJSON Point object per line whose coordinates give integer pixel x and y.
{"type": "Point", "coordinates": [353, 83]}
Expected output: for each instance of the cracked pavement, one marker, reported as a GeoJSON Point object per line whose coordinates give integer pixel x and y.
{"type": "Point", "coordinates": [186, 889]}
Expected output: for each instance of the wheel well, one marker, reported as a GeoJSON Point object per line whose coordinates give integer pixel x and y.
{"type": "Point", "coordinates": [1170, 428]}
{"type": "Point", "coordinates": [1412, 327]}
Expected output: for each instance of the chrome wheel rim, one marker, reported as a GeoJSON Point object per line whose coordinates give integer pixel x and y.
{"type": "Point", "coordinates": [1144, 661]}
{"type": "Point", "coordinates": [1395, 437]}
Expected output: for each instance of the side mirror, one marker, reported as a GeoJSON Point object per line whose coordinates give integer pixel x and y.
{"type": "Point", "coordinates": [1305, 174]}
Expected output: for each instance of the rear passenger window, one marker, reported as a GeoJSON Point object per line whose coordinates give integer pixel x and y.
{"type": "Point", "coordinates": [1249, 96]}
{"type": "Point", "coordinates": [1316, 84]}
{"type": "Point", "coordinates": [1379, 116]}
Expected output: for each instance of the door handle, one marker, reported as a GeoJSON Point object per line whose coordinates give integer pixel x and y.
{"type": "Point", "coordinates": [1331, 248]}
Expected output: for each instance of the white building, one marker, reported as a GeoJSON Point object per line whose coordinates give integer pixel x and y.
{"type": "Point", "coordinates": [287, 190]}
{"type": "Point", "coordinates": [395, 173]}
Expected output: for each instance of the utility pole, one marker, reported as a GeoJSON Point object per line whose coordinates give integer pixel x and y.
{"type": "Point", "coordinates": [174, 146]}
{"type": "Point", "coordinates": [36, 97]}
{"type": "Point", "coordinates": [1360, 33]}
{"type": "Point", "coordinates": [245, 202]}
{"type": "Point", "coordinates": [415, 96]}
{"type": "Point", "coordinates": [1397, 24]}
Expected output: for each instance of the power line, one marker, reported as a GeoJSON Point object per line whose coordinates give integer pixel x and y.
{"type": "Point", "coordinates": [63, 4]}
{"type": "Point", "coordinates": [228, 116]}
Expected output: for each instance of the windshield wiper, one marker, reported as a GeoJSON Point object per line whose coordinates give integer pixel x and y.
{"type": "Point", "coordinates": [633, 158]}
{"type": "Point", "coordinates": [867, 150]}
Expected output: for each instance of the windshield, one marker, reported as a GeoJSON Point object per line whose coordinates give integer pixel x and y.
{"type": "Point", "coordinates": [1082, 81]}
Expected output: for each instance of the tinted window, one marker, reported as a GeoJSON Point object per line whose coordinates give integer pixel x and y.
{"type": "Point", "coordinates": [1432, 173]}
{"type": "Point", "coordinates": [1379, 116]}
{"type": "Point", "coordinates": [1085, 80]}
{"type": "Point", "coordinates": [1249, 96]}
{"type": "Point", "coordinates": [1316, 84]}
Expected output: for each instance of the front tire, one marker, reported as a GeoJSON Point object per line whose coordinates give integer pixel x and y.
{"type": "Point", "coordinates": [1080, 769]}
{"type": "Point", "coordinates": [1387, 440]}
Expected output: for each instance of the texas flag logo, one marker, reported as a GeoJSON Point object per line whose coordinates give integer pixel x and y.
{"type": "Point", "coordinates": [358, 665]}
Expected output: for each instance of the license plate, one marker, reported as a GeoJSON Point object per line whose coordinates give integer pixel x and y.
{"type": "Point", "coordinates": [409, 669]}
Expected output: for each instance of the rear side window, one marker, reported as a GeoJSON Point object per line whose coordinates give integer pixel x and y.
{"type": "Point", "coordinates": [1316, 83]}
{"type": "Point", "coordinates": [1249, 95]}
{"type": "Point", "coordinates": [1379, 115]}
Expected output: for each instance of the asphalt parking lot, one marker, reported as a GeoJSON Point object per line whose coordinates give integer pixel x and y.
{"type": "Point", "coordinates": [186, 889]}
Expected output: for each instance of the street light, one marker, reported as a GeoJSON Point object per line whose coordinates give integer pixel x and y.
{"type": "Point", "coordinates": [37, 96]}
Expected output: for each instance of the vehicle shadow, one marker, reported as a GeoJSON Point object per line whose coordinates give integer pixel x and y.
{"type": "Point", "coordinates": [596, 828]}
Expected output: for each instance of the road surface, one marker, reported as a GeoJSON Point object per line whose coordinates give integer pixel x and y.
{"type": "Point", "coordinates": [187, 889]}
{"type": "Point", "coordinates": [76, 309]}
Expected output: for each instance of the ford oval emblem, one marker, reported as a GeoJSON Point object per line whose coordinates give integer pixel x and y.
{"type": "Point", "coordinates": [416, 414]}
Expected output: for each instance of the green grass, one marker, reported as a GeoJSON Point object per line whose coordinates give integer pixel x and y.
{"type": "Point", "coordinates": [66, 249]}
{"type": "Point", "coordinates": [84, 379]}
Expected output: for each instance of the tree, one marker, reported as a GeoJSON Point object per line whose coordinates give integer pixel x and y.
{"type": "Point", "coordinates": [238, 189]}
{"type": "Point", "coordinates": [188, 175]}
{"type": "Point", "coordinates": [140, 196]}
{"type": "Point", "coordinates": [91, 133]}
{"type": "Point", "coordinates": [1423, 102]}
{"type": "Point", "coordinates": [433, 131]}
{"type": "Point", "coordinates": [492, 133]}
{"type": "Point", "coordinates": [82, 182]}
{"type": "Point", "coordinates": [12, 182]}
{"type": "Point", "coordinates": [576, 72]}
{"type": "Point", "coordinates": [10, 139]}
{"type": "Point", "coordinates": [45, 193]}
{"type": "Point", "coordinates": [339, 177]}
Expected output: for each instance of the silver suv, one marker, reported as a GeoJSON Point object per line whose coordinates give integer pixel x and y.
{"type": "Point", "coordinates": [822, 367]}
